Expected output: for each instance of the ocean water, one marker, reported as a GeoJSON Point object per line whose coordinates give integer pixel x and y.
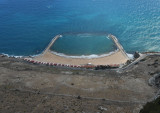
{"type": "Point", "coordinates": [27, 26]}
{"type": "Point", "coordinates": [84, 44]}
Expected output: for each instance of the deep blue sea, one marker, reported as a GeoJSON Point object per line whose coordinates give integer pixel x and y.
{"type": "Point", "coordinates": [27, 26]}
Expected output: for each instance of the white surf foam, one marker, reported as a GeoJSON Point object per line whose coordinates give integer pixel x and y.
{"type": "Point", "coordinates": [84, 56]}
{"type": "Point", "coordinates": [107, 37]}
{"type": "Point", "coordinates": [12, 55]}
{"type": "Point", "coordinates": [36, 55]}
{"type": "Point", "coordinates": [130, 56]}
{"type": "Point", "coordinates": [85, 35]}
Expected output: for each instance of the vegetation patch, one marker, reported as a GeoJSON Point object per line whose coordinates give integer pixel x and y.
{"type": "Point", "coordinates": [152, 107]}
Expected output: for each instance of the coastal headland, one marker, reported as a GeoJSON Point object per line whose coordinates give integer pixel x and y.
{"type": "Point", "coordinates": [117, 57]}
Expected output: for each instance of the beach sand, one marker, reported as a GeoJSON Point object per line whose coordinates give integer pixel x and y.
{"type": "Point", "coordinates": [115, 58]}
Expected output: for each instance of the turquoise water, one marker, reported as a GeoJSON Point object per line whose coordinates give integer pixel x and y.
{"type": "Point", "coordinates": [83, 44]}
{"type": "Point", "coordinates": [27, 26]}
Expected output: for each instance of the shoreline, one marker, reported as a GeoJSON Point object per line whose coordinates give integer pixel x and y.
{"type": "Point", "coordinates": [118, 68]}
{"type": "Point", "coordinates": [91, 56]}
{"type": "Point", "coordinates": [49, 57]}
{"type": "Point", "coordinates": [118, 56]}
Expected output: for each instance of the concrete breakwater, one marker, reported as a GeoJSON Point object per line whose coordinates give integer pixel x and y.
{"type": "Point", "coordinates": [119, 46]}
{"type": "Point", "coordinates": [51, 43]}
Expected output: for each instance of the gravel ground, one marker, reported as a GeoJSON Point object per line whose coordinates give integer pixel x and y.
{"type": "Point", "coordinates": [31, 88]}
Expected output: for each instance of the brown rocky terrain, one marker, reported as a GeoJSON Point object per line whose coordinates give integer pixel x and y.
{"type": "Point", "coordinates": [31, 88]}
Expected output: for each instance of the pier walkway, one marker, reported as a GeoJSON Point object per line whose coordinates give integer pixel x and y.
{"type": "Point", "coordinates": [50, 44]}
{"type": "Point", "coordinates": [119, 46]}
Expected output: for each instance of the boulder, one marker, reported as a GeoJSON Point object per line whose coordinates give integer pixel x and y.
{"type": "Point", "coordinates": [136, 55]}
{"type": "Point", "coordinates": [155, 80]}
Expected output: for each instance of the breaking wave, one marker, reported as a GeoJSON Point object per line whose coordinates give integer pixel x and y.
{"type": "Point", "coordinates": [12, 55]}
{"type": "Point", "coordinates": [84, 56]}
{"type": "Point", "coordinates": [70, 56]}
{"type": "Point", "coordinates": [130, 56]}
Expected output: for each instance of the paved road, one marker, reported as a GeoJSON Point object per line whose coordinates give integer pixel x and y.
{"type": "Point", "coordinates": [142, 56]}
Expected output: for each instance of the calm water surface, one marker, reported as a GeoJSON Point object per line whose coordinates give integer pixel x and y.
{"type": "Point", "coordinates": [83, 44]}
{"type": "Point", "coordinates": [27, 26]}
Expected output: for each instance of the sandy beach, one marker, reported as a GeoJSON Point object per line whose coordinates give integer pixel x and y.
{"type": "Point", "coordinates": [115, 58]}
{"type": "Point", "coordinates": [118, 57]}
